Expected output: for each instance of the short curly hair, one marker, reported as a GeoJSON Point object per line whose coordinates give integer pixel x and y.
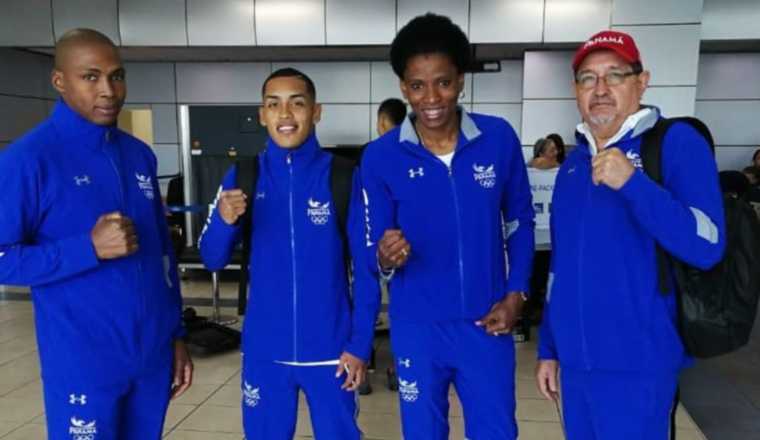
{"type": "Point", "coordinates": [428, 34]}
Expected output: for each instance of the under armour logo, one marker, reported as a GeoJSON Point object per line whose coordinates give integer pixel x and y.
{"type": "Point", "coordinates": [82, 180]}
{"type": "Point", "coordinates": [571, 170]}
{"type": "Point", "coordinates": [405, 362]}
{"type": "Point", "coordinates": [634, 158]}
{"type": "Point", "coordinates": [260, 195]}
{"type": "Point", "coordinates": [416, 173]}
{"type": "Point", "coordinates": [81, 400]}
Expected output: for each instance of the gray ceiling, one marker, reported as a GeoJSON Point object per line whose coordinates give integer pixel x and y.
{"type": "Point", "coordinates": [353, 53]}
{"type": "Point", "coordinates": [301, 53]}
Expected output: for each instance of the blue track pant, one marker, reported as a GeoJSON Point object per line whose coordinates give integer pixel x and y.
{"type": "Point", "coordinates": [431, 357]}
{"type": "Point", "coordinates": [270, 402]}
{"type": "Point", "coordinates": [617, 406]}
{"type": "Point", "coordinates": [133, 410]}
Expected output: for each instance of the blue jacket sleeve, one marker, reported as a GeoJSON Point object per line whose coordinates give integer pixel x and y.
{"type": "Point", "coordinates": [365, 287]}
{"type": "Point", "coordinates": [685, 215]}
{"type": "Point", "coordinates": [24, 260]}
{"type": "Point", "coordinates": [546, 347]}
{"type": "Point", "coordinates": [218, 239]}
{"type": "Point", "coordinates": [379, 209]}
{"type": "Point", "coordinates": [518, 216]}
{"type": "Point", "coordinates": [169, 258]}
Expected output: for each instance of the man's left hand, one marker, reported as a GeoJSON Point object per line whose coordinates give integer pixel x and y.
{"type": "Point", "coordinates": [503, 315]}
{"type": "Point", "coordinates": [611, 168]}
{"type": "Point", "coordinates": [354, 369]}
{"type": "Point", "coordinates": [183, 369]}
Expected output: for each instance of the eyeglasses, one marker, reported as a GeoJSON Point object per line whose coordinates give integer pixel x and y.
{"type": "Point", "coordinates": [589, 80]}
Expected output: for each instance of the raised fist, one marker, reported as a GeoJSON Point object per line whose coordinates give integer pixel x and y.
{"type": "Point", "coordinates": [232, 205]}
{"type": "Point", "coordinates": [114, 236]}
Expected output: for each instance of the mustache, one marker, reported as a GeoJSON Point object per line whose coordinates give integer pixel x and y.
{"type": "Point", "coordinates": [602, 101]}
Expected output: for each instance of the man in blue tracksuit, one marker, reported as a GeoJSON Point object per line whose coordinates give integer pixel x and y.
{"type": "Point", "coordinates": [606, 325]}
{"type": "Point", "coordinates": [445, 192]}
{"type": "Point", "coordinates": [301, 330]}
{"type": "Point", "coordinates": [83, 224]}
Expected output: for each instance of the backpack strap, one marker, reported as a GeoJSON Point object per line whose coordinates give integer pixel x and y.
{"type": "Point", "coordinates": [247, 176]}
{"type": "Point", "coordinates": [651, 143]}
{"type": "Point", "coordinates": [651, 157]}
{"type": "Point", "coordinates": [341, 182]}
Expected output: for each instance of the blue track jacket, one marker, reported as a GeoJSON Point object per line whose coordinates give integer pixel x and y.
{"type": "Point", "coordinates": [299, 307]}
{"type": "Point", "coordinates": [97, 321]}
{"type": "Point", "coordinates": [456, 220]}
{"type": "Point", "coordinates": [604, 310]}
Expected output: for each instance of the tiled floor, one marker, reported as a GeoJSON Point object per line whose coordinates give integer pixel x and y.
{"type": "Point", "coordinates": [723, 393]}
{"type": "Point", "coordinates": [210, 410]}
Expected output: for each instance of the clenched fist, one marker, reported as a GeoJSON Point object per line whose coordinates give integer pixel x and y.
{"type": "Point", "coordinates": [114, 236]}
{"type": "Point", "coordinates": [232, 205]}
{"type": "Point", "coordinates": [611, 168]}
{"type": "Point", "coordinates": [503, 315]}
{"type": "Point", "coordinates": [393, 250]}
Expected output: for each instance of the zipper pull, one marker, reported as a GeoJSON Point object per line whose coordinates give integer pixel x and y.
{"type": "Point", "coordinates": [449, 167]}
{"type": "Point", "coordinates": [287, 159]}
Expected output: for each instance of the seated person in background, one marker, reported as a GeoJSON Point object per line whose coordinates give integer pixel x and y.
{"type": "Point", "coordinates": [390, 115]}
{"type": "Point", "coordinates": [733, 183]}
{"type": "Point", "coordinates": [548, 152]}
{"type": "Point", "coordinates": [753, 174]}
{"type": "Point", "coordinates": [753, 192]}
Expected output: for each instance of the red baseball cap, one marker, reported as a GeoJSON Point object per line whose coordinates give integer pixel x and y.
{"type": "Point", "coordinates": [618, 42]}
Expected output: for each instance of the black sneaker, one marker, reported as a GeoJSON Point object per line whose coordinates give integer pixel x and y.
{"type": "Point", "coordinates": [365, 388]}
{"type": "Point", "coordinates": [392, 379]}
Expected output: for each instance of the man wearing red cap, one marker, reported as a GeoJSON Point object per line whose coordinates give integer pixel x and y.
{"type": "Point", "coordinates": [606, 326]}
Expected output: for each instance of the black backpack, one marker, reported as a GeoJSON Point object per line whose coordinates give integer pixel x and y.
{"type": "Point", "coordinates": [341, 180]}
{"type": "Point", "coordinates": [717, 307]}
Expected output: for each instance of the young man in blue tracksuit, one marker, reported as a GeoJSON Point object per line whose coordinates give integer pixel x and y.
{"type": "Point", "coordinates": [301, 330]}
{"type": "Point", "coordinates": [444, 193]}
{"type": "Point", "coordinates": [606, 325]}
{"type": "Point", "coordinates": [83, 224]}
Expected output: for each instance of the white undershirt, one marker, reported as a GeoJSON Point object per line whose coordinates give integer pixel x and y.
{"type": "Point", "coordinates": [446, 158]}
{"type": "Point", "coordinates": [629, 124]}
{"type": "Point", "coordinates": [309, 364]}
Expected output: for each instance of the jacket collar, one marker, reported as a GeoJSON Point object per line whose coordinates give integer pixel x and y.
{"type": "Point", "coordinates": [70, 124]}
{"type": "Point", "coordinates": [633, 126]}
{"type": "Point", "coordinates": [468, 130]}
{"type": "Point", "coordinates": [302, 154]}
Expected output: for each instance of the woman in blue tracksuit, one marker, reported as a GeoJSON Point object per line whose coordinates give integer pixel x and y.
{"type": "Point", "coordinates": [301, 329]}
{"type": "Point", "coordinates": [82, 223]}
{"type": "Point", "coordinates": [444, 193]}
